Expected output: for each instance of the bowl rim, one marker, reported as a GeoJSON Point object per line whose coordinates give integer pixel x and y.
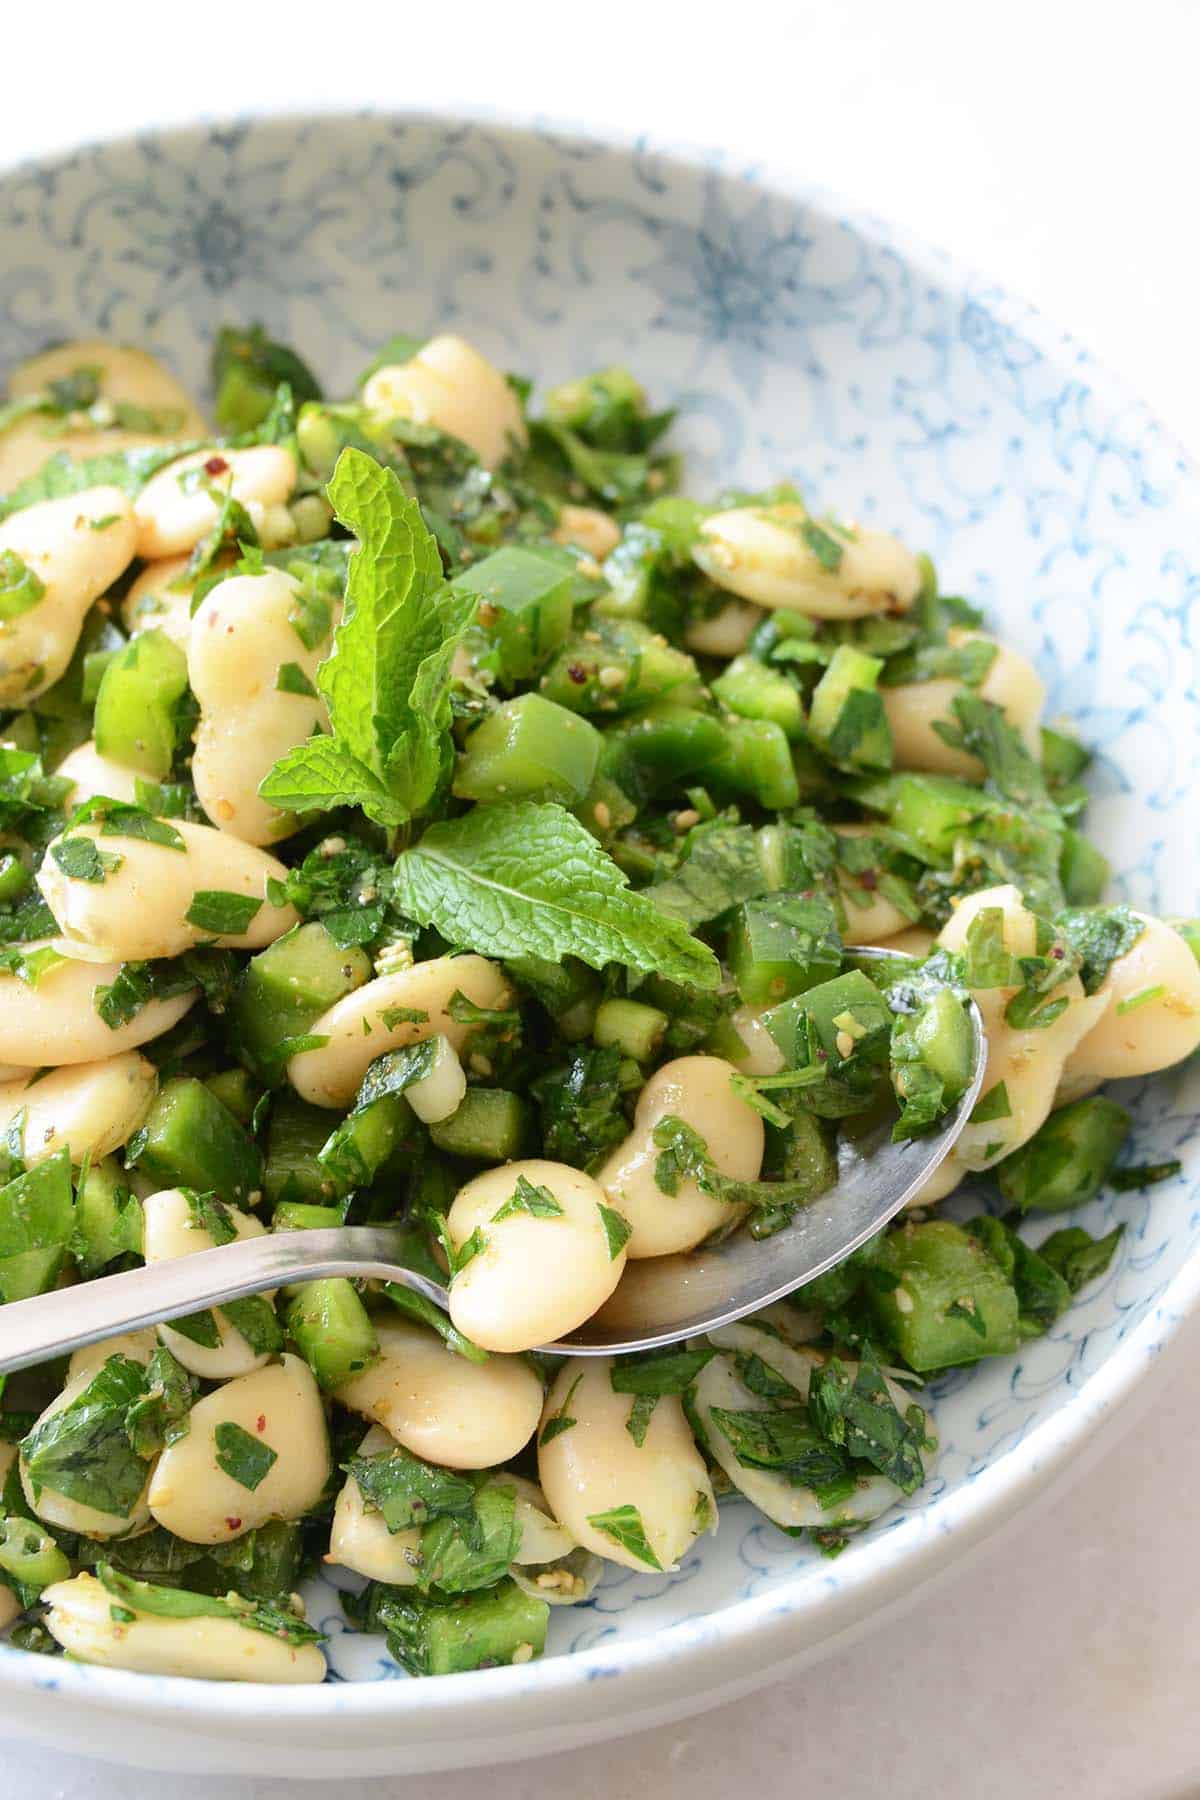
{"type": "Point", "coordinates": [759, 1632]}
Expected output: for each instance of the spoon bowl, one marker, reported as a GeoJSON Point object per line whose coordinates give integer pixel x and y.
{"type": "Point", "coordinates": [659, 1300]}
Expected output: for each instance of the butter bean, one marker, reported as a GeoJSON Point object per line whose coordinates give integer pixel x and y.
{"type": "Point", "coordinates": [362, 1025]}
{"type": "Point", "coordinates": [75, 547]}
{"type": "Point", "coordinates": [540, 1273]}
{"type": "Point", "coordinates": [697, 1090]}
{"type": "Point", "coordinates": [279, 1406]}
{"type": "Point", "coordinates": [461, 1414]}
{"type": "Point", "coordinates": [138, 911]}
{"type": "Point", "coordinates": [595, 1467]}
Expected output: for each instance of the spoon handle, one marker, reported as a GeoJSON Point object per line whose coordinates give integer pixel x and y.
{"type": "Point", "coordinates": [33, 1331]}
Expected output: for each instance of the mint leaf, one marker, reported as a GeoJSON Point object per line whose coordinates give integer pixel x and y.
{"type": "Point", "coordinates": [179, 1603]}
{"type": "Point", "coordinates": [406, 1490]}
{"type": "Point", "coordinates": [221, 912]}
{"type": "Point", "coordinates": [387, 679]}
{"type": "Point", "coordinates": [529, 1198]}
{"type": "Point", "coordinates": [526, 879]}
{"type": "Point", "coordinates": [244, 1458]}
{"type": "Point", "coordinates": [623, 1524]}
{"type": "Point", "coordinates": [617, 1229]}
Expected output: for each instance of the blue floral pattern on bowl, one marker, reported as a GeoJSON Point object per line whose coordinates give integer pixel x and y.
{"type": "Point", "coordinates": [800, 343]}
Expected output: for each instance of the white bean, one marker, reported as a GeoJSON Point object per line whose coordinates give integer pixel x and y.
{"type": "Point", "coordinates": [594, 1467]}
{"type": "Point", "coordinates": [138, 912]}
{"type": "Point", "coordinates": [56, 1022]}
{"type": "Point", "coordinates": [90, 774]}
{"type": "Point", "coordinates": [543, 1539]}
{"type": "Point", "coordinates": [449, 385]}
{"type": "Point", "coordinates": [440, 1093]}
{"type": "Point", "coordinates": [461, 1414]}
{"type": "Point", "coordinates": [242, 638]}
{"type": "Point", "coordinates": [155, 603]}
{"type": "Point", "coordinates": [719, 1385]}
{"type": "Point", "coordinates": [279, 1406]}
{"type": "Point", "coordinates": [91, 1108]}
{"type": "Point", "coordinates": [80, 1616]}
{"type": "Point", "coordinates": [73, 1515]}
{"type": "Point", "coordinates": [171, 1230]}
{"type": "Point", "coordinates": [1029, 1062]}
{"type": "Point", "coordinates": [358, 1030]}
{"type": "Point", "coordinates": [725, 632]}
{"type": "Point", "coordinates": [698, 1090]}
{"type": "Point", "coordinates": [588, 529]}
{"type": "Point", "coordinates": [176, 509]}
{"type": "Point", "coordinates": [135, 1346]}
{"type": "Point", "coordinates": [359, 1538]}
{"type": "Point", "coordinates": [1154, 1032]}
{"type": "Point", "coordinates": [762, 1054]}
{"type": "Point", "coordinates": [76, 547]}
{"type": "Point", "coordinates": [1011, 683]}
{"type": "Point", "coordinates": [539, 1274]}
{"type": "Point", "coordinates": [879, 918]}
{"type": "Point", "coordinates": [761, 553]}
{"type": "Point", "coordinates": [124, 376]}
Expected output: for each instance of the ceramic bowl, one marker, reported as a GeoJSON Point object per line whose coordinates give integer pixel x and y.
{"type": "Point", "coordinates": [799, 342]}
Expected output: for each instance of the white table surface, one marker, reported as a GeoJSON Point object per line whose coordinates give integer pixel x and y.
{"type": "Point", "coordinates": [1053, 143]}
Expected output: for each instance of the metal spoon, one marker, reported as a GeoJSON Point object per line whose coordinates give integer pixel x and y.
{"type": "Point", "coordinates": [659, 1300]}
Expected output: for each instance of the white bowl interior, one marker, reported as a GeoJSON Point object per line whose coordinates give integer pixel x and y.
{"type": "Point", "coordinates": [798, 343]}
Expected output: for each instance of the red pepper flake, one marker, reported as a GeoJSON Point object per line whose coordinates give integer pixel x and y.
{"type": "Point", "coordinates": [216, 465]}
{"type": "Point", "coordinates": [576, 673]}
{"type": "Point", "coordinates": [869, 879]}
{"type": "Point", "coordinates": [260, 1423]}
{"type": "Point", "coordinates": [1056, 952]}
{"type": "Point", "coordinates": [234, 1524]}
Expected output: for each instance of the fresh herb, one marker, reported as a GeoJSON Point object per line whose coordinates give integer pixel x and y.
{"type": "Point", "coordinates": [1077, 1256]}
{"type": "Point", "coordinates": [179, 1603]}
{"type": "Point", "coordinates": [561, 1420]}
{"type": "Point", "coordinates": [83, 1451]}
{"type": "Point", "coordinates": [135, 985]}
{"type": "Point", "coordinates": [417, 1307]}
{"type": "Point", "coordinates": [82, 860]}
{"type": "Point", "coordinates": [20, 588]}
{"type": "Point", "coordinates": [529, 1198]}
{"type": "Point", "coordinates": [121, 819]}
{"type": "Point", "coordinates": [472, 1549]}
{"type": "Point", "coordinates": [995, 1104]}
{"type": "Point", "coordinates": [467, 1251]}
{"type": "Point", "coordinates": [1133, 1179]}
{"type": "Point", "coordinates": [159, 1417]}
{"type": "Point", "coordinates": [623, 1524]}
{"type": "Point", "coordinates": [244, 1458]}
{"type": "Point", "coordinates": [853, 1410]}
{"type": "Point", "coordinates": [221, 913]}
{"type": "Point", "coordinates": [526, 879]}
{"type": "Point", "coordinates": [785, 1440]}
{"type": "Point", "coordinates": [1099, 935]}
{"type": "Point", "coordinates": [640, 1415]}
{"type": "Point", "coordinates": [617, 1229]}
{"type": "Point", "coordinates": [291, 679]}
{"type": "Point", "coordinates": [657, 1372]}
{"type": "Point", "coordinates": [722, 867]}
{"type": "Point", "coordinates": [683, 1156]}
{"type": "Point", "coordinates": [828, 549]}
{"type": "Point", "coordinates": [406, 1491]}
{"type": "Point", "coordinates": [580, 1107]}
{"type": "Point", "coordinates": [387, 679]}
{"type": "Point", "coordinates": [254, 1317]}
